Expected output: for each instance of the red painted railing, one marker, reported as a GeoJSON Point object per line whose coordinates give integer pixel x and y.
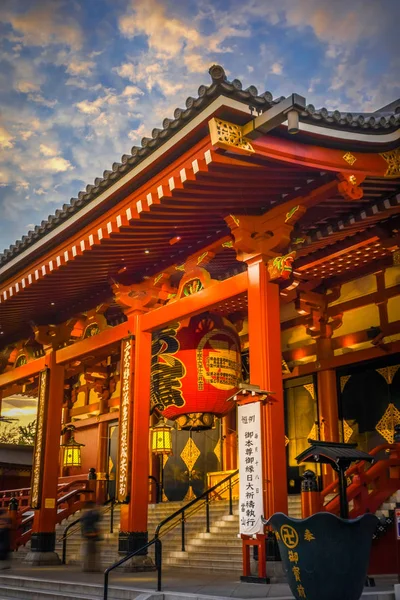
{"type": "Point", "coordinates": [71, 496]}
{"type": "Point", "coordinates": [370, 485]}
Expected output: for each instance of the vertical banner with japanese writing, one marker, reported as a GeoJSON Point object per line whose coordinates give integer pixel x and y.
{"type": "Point", "coordinates": [40, 440]}
{"type": "Point", "coordinates": [124, 419]}
{"type": "Point", "coordinates": [251, 506]}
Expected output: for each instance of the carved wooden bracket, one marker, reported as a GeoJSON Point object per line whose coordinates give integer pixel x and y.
{"type": "Point", "coordinates": [141, 297]}
{"type": "Point", "coordinates": [319, 324]}
{"type": "Point", "coordinates": [348, 186]}
{"type": "Point", "coordinates": [194, 280]}
{"type": "Point", "coordinates": [266, 235]}
{"type": "Point", "coordinates": [52, 337]}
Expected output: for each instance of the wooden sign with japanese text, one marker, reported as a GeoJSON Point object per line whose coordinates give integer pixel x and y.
{"type": "Point", "coordinates": [40, 440]}
{"type": "Point", "coordinates": [251, 505]}
{"type": "Point", "coordinates": [127, 348]}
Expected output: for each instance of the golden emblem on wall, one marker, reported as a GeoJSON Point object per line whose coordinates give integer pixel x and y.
{"type": "Point", "coordinates": [190, 454]}
{"type": "Point", "coordinates": [349, 158]}
{"type": "Point", "coordinates": [388, 373]}
{"type": "Point", "coordinates": [217, 450]}
{"type": "Point", "coordinates": [347, 431]}
{"type": "Point", "coordinates": [386, 425]}
{"type": "Point", "coordinates": [393, 161]}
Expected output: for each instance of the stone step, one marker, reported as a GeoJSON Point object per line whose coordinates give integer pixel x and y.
{"type": "Point", "coordinates": [29, 588]}
{"type": "Point", "coordinates": [217, 564]}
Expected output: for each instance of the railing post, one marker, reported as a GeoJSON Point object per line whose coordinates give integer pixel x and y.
{"type": "Point", "coordinates": [183, 530]}
{"type": "Point", "coordinates": [105, 594]}
{"type": "Point", "coordinates": [310, 496]}
{"type": "Point", "coordinates": [230, 498]}
{"type": "Point", "coordinates": [64, 550]}
{"type": "Point", "coordinates": [112, 517]}
{"type": "Point", "coordinates": [158, 545]}
{"type": "Point", "coordinates": [208, 513]}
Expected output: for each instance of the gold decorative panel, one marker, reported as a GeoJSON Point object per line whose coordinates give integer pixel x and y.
{"type": "Point", "coordinates": [349, 158]}
{"type": "Point", "coordinates": [287, 441]}
{"type": "Point", "coordinates": [393, 161]}
{"type": "Point", "coordinates": [343, 381]}
{"type": "Point", "coordinates": [314, 433]}
{"type": "Point", "coordinates": [347, 431]}
{"type": "Point", "coordinates": [388, 373]}
{"type": "Point", "coordinates": [190, 454]}
{"type": "Point", "coordinates": [40, 440]}
{"type": "Point", "coordinates": [386, 425]}
{"type": "Point", "coordinates": [310, 389]}
{"type": "Point", "coordinates": [217, 451]}
{"type": "Point", "coordinates": [228, 135]}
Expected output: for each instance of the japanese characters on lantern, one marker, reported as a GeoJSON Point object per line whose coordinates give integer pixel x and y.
{"type": "Point", "coordinates": [195, 368]}
{"type": "Point", "coordinates": [250, 468]}
{"type": "Point", "coordinates": [38, 456]}
{"type": "Point", "coordinates": [124, 421]}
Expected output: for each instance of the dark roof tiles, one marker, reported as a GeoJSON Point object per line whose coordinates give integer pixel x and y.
{"type": "Point", "coordinates": [206, 94]}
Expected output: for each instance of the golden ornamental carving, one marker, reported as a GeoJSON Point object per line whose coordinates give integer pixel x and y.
{"type": "Point", "coordinates": [393, 161]}
{"type": "Point", "coordinates": [349, 158]}
{"type": "Point", "coordinates": [343, 381]}
{"type": "Point", "coordinates": [228, 135]}
{"type": "Point", "coordinates": [314, 433]}
{"type": "Point", "coordinates": [38, 455]}
{"type": "Point", "coordinates": [347, 431]}
{"type": "Point", "coordinates": [310, 389]}
{"type": "Point", "coordinates": [388, 373]}
{"type": "Point", "coordinates": [124, 427]}
{"type": "Point", "coordinates": [287, 441]}
{"type": "Point", "coordinates": [217, 451]}
{"type": "Point", "coordinates": [386, 425]}
{"type": "Point", "coordinates": [190, 454]}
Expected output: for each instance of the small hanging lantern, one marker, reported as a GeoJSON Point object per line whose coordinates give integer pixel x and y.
{"type": "Point", "coordinates": [72, 449]}
{"type": "Point", "coordinates": [161, 438]}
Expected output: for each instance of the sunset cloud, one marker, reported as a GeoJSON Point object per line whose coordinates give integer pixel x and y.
{"type": "Point", "coordinates": [80, 84]}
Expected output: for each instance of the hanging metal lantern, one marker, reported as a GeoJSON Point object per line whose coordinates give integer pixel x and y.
{"type": "Point", "coordinates": [195, 369]}
{"type": "Point", "coordinates": [161, 438]}
{"type": "Point", "coordinates": [72, 450]}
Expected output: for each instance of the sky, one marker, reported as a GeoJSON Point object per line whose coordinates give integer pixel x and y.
{"type": "Point", "coordinates": [82, 81]}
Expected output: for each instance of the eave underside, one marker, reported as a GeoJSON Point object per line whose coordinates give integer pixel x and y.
{"type": "Point", "coordinates": [190, 200]}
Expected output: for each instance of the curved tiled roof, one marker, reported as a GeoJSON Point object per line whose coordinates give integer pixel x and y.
{"type": "Point", "coordinates": [377, 122]}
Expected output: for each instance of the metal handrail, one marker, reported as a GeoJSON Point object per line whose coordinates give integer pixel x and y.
{"type": "Point", "coordinates": [158, 560]}
{"type": "Point", "coordinates": [200, 505]}
{"type": "Point", "coordinates": [204, 496]}
{"type": "Point", "coordinates": [66, 534]}
{"type": "Point", "coordinates": [156, 540]}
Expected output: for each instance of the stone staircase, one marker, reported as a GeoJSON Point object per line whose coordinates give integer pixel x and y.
{"type": "Point", "coordinates": [219, 549]}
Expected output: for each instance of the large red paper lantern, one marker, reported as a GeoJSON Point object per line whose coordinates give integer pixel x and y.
{"type": "Point", "coordinates": [195, 369]}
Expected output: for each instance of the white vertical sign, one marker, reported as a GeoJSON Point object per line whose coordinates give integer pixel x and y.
{"type": "Point", "coordinates": [251, 507]}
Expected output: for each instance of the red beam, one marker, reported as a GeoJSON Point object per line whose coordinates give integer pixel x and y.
{"type": "Point", "coordinates": [345, 359]}
{"type": "Point", "coordinates": [327, 159]}
{"type": "Point", "coordinates": [193, 305]}
{"type": "Point", "coordinates": [94, 344]}
{"type": "Point", "coordinates": [31, 368]}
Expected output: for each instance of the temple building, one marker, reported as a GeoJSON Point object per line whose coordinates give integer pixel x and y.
{"type": "Point", "coordinates": [252, 241]}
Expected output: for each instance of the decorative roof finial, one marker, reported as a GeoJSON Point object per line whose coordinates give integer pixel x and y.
{"type": "Point", "coordinates": [217, 73]}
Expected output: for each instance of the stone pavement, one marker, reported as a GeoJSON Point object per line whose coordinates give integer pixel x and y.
{"type": "Point", "coordinates": [185, 583]}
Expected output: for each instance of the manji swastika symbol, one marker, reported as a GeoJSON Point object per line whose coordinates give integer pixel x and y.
{"type": "Point", "coordinates": [289, 536]}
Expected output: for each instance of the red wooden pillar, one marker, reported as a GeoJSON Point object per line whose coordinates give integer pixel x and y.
{"type": "Point", "coordinates": [133, 534]}
{"type": "Point", "coordinates": [266, 371]}
{"type": "Point", "coordinates": [46, 463]}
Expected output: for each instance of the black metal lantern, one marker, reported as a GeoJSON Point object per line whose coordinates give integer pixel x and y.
{"type": "Point", "coordinates": [161, 438]}
{"type": "Point", "coordinates": [72, 449]}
